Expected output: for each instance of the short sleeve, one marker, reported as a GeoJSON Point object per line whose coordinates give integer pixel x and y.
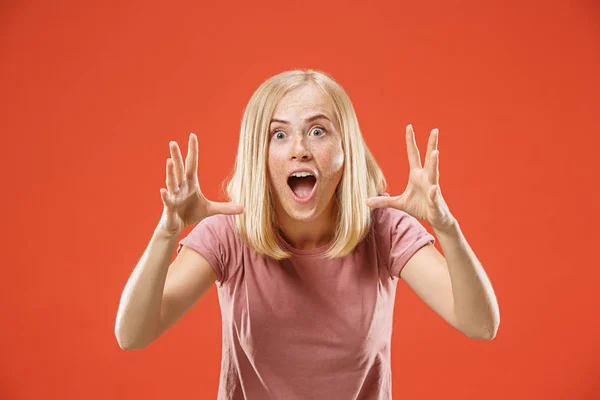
{"type": "Point", "coordinates": [214, 238]}
{"type": "Point", "coordinates": [407, 235]}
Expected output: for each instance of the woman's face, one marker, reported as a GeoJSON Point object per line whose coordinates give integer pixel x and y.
{"type": "Point", "coordinates": [305, 156]}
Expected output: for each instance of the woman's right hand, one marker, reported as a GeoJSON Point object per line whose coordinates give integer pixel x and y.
{"type": "Point", "coordinates": [184, 203]}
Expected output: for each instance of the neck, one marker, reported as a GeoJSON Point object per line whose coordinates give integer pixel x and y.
{"type": "Point", "coordinates": [305, 235]}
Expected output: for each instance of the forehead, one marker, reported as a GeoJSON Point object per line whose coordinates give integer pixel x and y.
{"type": "Point", "coordinates": [307, 99]}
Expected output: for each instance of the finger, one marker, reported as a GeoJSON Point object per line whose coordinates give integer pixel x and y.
{"type": "Point", "coordinates": [177, 160]}
{"type": "Point", "coordinates": [164, 195]}
{"type": "Point", "coordinates": [434, 168]}
{"type": "Point", "coordinates": [414, 158]}
{"type": "Point", "coordinates": [433, 194]}
{"type": "Point", "coordinates": [191, 160]}
{"type": "Point", "coordinates": [227, 208]}
{"type": "Point", "coordinates": [431, 146]}
{"type": "Point", "coordinates": [382, 202]}
{"type": "Point", "coordinates": [172, 184]}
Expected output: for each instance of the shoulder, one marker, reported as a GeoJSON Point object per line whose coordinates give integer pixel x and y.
{"type": "Point", "coordinates": [216, 233]}
{"type": "Point", "coordinates": [399, 235]}
{"type": "Point", "coordinates": [388, 219]}
{"type": "Point", "coordinates": [216, 239]}
{"type": "Point", "coordinates": [396, 229]}
{"type": "Point", "coordinates": [217, 224]}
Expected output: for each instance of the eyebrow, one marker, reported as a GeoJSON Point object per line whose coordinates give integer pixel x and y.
{"type": "Point", "coordinates": [309, 119]}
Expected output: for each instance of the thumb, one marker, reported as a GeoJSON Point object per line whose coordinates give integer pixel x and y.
{"type": "Point", "coordinates": [381, 201]}
{"type": "Point", "coordinates": [433, 194]}
{"type": "Point", "coordinates": [227, 208]}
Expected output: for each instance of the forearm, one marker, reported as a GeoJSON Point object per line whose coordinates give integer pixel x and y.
{"type": "Point", "coordinates": [475, 304]}
{"type": "Point", "coordinates": [139, 310]}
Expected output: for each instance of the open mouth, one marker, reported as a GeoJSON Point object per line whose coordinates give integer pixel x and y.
{"type": "Point", "coordinates": [302, 184]}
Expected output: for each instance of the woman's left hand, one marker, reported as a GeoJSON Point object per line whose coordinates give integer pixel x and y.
{"type": "Point", "coordinates": [422, 197]}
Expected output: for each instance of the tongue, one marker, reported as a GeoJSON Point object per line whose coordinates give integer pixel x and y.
{"type": "Point", "coordinates": [302, 186]}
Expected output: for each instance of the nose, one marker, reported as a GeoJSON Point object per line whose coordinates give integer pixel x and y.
{"type": "Point", "coordinates": [299, 149]}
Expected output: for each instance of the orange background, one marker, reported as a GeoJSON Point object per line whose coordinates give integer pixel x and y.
{"type": "Point", "coordinates": [91, 95]}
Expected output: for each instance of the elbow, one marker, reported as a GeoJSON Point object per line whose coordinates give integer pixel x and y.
{"type": "Point", "coordinates": [485, 328]}
{"type": "Point", "coordinates": [129, 346]}
{"type": "Point", "coordinates": [126, 343]}
{"type": "Point", "coordinates": [123, 343]}
{"type": "Point", "coordinates": [486, 332]}
{"type": "Point", "coordinates": [485, 335]}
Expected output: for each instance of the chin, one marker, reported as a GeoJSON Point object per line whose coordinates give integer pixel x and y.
{"type": "Point", "coordinates": [302, 217]}
{"type": "Point", "coordinates": [301, 213]}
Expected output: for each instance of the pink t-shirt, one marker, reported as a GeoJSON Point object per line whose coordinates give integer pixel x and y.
{"type": "Point", "coordinates": [308, 327]}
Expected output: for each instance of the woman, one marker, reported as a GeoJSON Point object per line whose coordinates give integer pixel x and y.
{"type": "Point", "coordinates": [307, 255]}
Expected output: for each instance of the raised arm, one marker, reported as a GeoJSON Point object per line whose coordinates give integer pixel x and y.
{"type": "Point", "coordinates": [157, 294]}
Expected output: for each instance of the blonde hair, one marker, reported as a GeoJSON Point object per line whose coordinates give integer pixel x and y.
{"type": "Point", "coordinates": [249, 186]}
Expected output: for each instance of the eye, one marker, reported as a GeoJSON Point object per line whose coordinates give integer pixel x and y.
{"type": "Point", "coordinates": [279, 135]}
{"type": "Point", "coordinates": [318, 131]}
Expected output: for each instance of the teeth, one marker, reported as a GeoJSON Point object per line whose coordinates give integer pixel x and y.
{"type": "Point", "coordinates": [301, 174]}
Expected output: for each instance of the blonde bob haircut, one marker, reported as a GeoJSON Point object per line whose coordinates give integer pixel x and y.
{"type": "Point", "coordinates": [249, 186]}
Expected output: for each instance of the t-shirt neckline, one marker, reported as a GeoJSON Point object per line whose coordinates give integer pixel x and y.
{"type": "Point", "coordinates": [315, 251]}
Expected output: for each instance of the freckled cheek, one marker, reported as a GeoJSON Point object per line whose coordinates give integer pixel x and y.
{"type": "Point", "coordinates": [337, 160]}
{"type": "Point", "coordinates": [334, 159]}
{"type": "Point", "coordinates": [275, 167]}
{"type": "Point", "coordinates": [332, 167]}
